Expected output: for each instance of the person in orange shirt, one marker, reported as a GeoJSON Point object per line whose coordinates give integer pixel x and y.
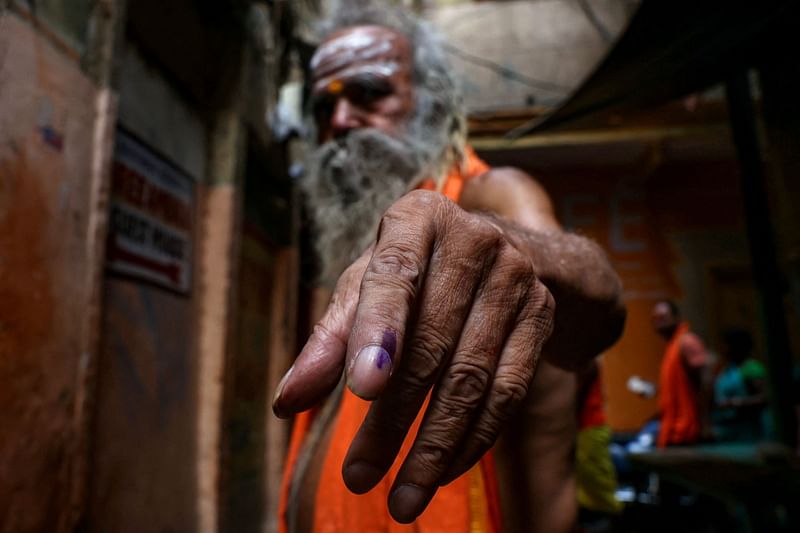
{"type": "Point", "coordinates": [460, 311]}
{"type": "Point", "coordinates": [683, 386]}
{"type": "Point", "coordinates": [683, 379]}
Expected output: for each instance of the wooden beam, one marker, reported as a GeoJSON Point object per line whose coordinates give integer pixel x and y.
{"type": "Point", "coordinates": [598, 136]}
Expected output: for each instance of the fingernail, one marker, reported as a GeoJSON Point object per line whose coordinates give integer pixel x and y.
{"type": "Point", "coordinates": [407, 502]}
{"type": "Point", "coordinates": [279, 390]}
{"type": "Point", "coordinates": [360, 477]}
{"type": "Point", "coordinates": [369, 371]}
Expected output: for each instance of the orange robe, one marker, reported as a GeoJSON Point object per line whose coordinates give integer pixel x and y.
{"type": "Point", "coordinates": [467, 505]}
{"type": "Point", "coordinates": [592, 412]}
{"type": "Point", "coordinates": [678, 396]}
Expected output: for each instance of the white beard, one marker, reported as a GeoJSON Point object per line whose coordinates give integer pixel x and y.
{"type": "Point", "coordinates": [348, 184]}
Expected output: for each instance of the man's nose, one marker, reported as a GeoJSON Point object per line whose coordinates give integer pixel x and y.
{"type": "Point", "coordinates": [345, 118]}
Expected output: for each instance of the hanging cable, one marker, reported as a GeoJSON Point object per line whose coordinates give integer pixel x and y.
{"type": "Point", "coordinates": [506, 72]}
{"type": "Point", "coordinates": [595, 21]}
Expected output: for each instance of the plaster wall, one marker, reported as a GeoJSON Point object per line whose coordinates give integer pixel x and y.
{"type": "Point", "coordinates": [144, 473]}
{"type": "Point", "coordinates": [55, 134]}
{"type": "Point", "coordinates": [674, 231]}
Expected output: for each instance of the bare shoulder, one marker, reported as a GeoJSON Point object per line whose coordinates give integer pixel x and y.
{"type": "Point", "coordinates": [693, 350]}
{"type": "Point", "coordinates": [691, 341]}
{"type": "Point", "coordinates": [510, 193]}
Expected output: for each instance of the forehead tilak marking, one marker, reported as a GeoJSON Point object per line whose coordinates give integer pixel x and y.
{"type": "Point", "coordinates": [359, 44]}
{"type": "Point", "coordinates": [383, 68]}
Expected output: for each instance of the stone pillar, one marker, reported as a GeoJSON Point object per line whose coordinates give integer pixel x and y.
{"type": "Point", "coordinates": [219, 230]}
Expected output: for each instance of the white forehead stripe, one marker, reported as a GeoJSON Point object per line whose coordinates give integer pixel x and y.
{"type": "Point", "coordinates": [358, 44]}
{"type": "Point", "coordinates": [383, 68]}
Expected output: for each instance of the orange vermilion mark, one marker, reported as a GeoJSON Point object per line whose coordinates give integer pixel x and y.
{"type": "Point", "coordinates": [335, 87]}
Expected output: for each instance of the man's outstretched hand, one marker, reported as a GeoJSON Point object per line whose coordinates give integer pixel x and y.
{"type": "Point", "coordinates": [443, 300]}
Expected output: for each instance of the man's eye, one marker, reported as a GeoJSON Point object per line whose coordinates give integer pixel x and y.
{"type": "Point", "coordinates": [366, 94]}
{"type": "Point", "coordinates": [322, 106]}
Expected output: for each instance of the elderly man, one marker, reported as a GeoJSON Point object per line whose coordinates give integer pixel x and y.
{"type": "Point", "coordinates": [457, 285]}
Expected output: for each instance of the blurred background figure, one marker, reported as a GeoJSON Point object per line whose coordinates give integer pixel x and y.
{"type": "Point", "coordinates": [740, 399]}
{"type": "Point", "coordinates": [683, 386]}
{"type": "Point", "coordinates": [595, 474]}
{"type": "Point", "coordinates": [682, 398]}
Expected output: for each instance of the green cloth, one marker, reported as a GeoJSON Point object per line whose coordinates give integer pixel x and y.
{"type": "Point", "coordinates": [596, 477]}
{"type": "Point", "coordinates": [753, 369]}
{"type": "Point", "coordinates": [743, 424]}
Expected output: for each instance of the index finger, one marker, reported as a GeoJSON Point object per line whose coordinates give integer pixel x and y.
{"type": "Point", "coordinates": [388, 290]}
{"type": "Point", "coordinates": [318, 368]}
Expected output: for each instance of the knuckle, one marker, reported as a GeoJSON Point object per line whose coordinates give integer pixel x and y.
{"type": "Point", "coordinates": [547, 303]}
{"type": "Point", "coordinates": [395, 262]}
{"type": "Point", "coordinates": [321, 331]}
{"type": "Point", "coordinates": [483, 436]}
{"type": "Point", "coordinates": [421, 374]}
{"type": "Point", "coordinates": [509, 391]}
{"type": "Point", "coordinates": [539, 310]}
{"type": "Point", "coordinates": [464, 268]}
{"type": "Point", "coordinates": [547, 309]}
{"type": "Point", "coordinates": [480, 232]}
{"type": "Point", "coordinates": [432, 456]}
{"type": "Point", "coordinates": [396, 259]}
{"type": "Point", "coordinates": [467, 385]}
{"type": "Point", "coordinates": [418, 202]}
{"type": "Point", "coordinates": [426, 350]}
{"type": "Point", "coordinates": [327, 337]}
{"type": "Point", "coordinates": [516, 266]}
{"type": "Point", "coordinates": [431, 343]}
{"type": "Point", "coordinates": [515, 279]}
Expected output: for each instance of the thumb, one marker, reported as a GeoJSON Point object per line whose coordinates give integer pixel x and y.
{"type": "Point", "coordinates": [318, 368]}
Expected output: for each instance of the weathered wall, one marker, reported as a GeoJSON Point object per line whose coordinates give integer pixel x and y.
{"type": "Point", "coordinates": [143, 474]}
{"type": "Point", "coordinates": [137, 393]}
{"type": "Point", "coordinates": [263, 348]}
{"type": "Point", "coordinates": [55, 130]}
{"type": "Point", "coordinates": [248, 397]}
{"type": "Point", "coordinates": [672, 231]}
{"type": "Point", "coordinates": [219, 226]}
{"type": "Point", "coordinates": [145, 441]}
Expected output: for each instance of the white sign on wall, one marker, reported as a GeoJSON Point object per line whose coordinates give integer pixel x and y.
{"type": "Point", "coordinates": [151, 217]}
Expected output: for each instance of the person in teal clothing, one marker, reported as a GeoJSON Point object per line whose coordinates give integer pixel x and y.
{"type": "Point", "coordinates": [739, 390]}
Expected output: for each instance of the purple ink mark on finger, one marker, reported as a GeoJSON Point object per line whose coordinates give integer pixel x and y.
{"type": "Point", "coordinates": [382, 359]}
{"type": "Point", "coordinates": [389, 343]}
{"type": "Point", "coordinates": [369, 371]}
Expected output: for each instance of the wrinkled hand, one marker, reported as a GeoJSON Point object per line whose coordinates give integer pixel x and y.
{"type": "Point", "coordinates": [442, 300]}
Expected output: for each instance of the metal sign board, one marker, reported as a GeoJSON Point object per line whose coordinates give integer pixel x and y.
{"type": "Point", "coordinates": [152, 217]}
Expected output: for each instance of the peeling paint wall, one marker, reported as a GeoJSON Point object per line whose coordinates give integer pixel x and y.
{"type": "Point", "coordinates": [144, 475]}
{"type": "Point", "coordinates": [112, 385]}
{"type": "Point", "coordinates": [144, 443]}
{"type": "Point", "coordinates": [53, 132]}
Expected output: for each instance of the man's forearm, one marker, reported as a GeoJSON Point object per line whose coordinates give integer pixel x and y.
{"type": "Point", "coordinates": [590, 313]}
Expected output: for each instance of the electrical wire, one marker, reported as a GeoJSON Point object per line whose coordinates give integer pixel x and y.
{"type": "Point", "coordinates": [595, 21]}
{"type": "Point", "coordinates": [506, 72]}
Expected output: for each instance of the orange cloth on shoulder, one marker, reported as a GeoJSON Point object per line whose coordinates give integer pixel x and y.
{"type": "Point", "coordinates": [593, 412]}
{"type": "Point", "coordinates": [680, 417]}
{"type": "Point", "coordinates": [472, 167]}
{"type": "Point", "coordinates": [469, 504]}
